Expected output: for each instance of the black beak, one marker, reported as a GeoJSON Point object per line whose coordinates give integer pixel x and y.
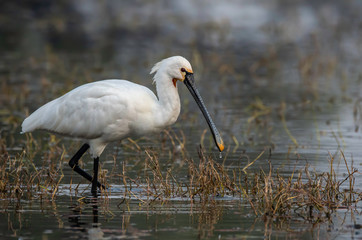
{"type": "Point", "coordinates": [190, 84]}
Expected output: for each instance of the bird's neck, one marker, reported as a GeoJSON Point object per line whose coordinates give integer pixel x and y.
{"type": "Point", "coordinates": [168, 99]}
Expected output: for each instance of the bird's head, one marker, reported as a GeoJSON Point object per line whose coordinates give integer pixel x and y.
{"type": "Point", "coordinates": [176, 67]}
{"type": "Point", "coordinates": [179, 69]}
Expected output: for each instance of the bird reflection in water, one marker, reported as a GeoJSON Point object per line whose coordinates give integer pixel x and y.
{"type": "Point", "coordinates": [79, 220]}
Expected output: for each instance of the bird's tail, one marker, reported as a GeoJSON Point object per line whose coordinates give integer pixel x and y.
{"type": "Point", "coordinates": [27, 125]}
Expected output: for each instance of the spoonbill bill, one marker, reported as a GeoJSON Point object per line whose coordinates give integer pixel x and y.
{"type": "Point", "coordinates": [105, 111]}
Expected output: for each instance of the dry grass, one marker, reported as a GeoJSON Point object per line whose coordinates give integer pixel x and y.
{"type": "Point", "coordinates": [20, 178]}
{"type": "Point", "coordinates": [308, 194]}
{"type": "Point", "coordinates": [311, 195]}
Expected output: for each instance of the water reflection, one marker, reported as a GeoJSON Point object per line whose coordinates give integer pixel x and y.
{"type": "Point", "coordinates": [79, 219]}
{"type": "Point", "coordinates": [84, 219]}
{"type": "Point", "coordinates": [101, 218]}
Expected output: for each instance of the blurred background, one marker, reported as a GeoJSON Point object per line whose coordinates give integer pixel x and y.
{"type": "Point", "coordinates": [247, 55]}
{"type": "Point", "coordinates": [234, 46]}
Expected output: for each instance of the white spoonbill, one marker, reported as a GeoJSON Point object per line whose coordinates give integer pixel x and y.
{"type": "Point", "coordinates": [110, 110]}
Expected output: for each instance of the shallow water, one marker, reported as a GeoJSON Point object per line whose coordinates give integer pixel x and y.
{"type": "Point", "coordinates": [255, 64]}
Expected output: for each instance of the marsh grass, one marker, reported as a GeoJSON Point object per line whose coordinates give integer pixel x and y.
{"type": "Point", "coordinates": [204, 181]}
{"type": "Point", "coordinates": [308, 194]}
{"type": "Point", "coordinates": [23, 179]}
{"type": "Point", "coordinates": [313, 196]}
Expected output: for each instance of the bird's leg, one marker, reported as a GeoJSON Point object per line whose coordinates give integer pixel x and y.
{"type": "Point", "coordinates": [95, 176]}
{"type": "Point", "coordinates": [73, 163]}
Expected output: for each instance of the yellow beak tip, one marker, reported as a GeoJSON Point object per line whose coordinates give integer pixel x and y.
{"type": "Point", "coordinates": [221, 147]}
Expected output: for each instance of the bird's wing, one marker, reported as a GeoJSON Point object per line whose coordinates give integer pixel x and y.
{"type": "Point", "coordinates": [91, 109]}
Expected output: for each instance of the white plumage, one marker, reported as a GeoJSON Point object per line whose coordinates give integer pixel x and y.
{"type": "Point", "coordinates": [99, 112]}
{"type": "Point", "coordinates": [110, 110]}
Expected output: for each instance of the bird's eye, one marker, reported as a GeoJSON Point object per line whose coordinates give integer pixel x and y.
{"type": "Point", "coordinates": [183, 70]}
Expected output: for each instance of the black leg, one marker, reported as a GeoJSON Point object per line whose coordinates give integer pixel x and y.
{"type": "Point", "coordinates": [73, 163]}
{"type": "Point", "coordinates": [95, 212]}
{"type": "Point", "coordinates": [95, 176]}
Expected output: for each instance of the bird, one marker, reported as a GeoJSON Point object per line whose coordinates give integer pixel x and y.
{"type": "Point", "coordinates": [105, 111]}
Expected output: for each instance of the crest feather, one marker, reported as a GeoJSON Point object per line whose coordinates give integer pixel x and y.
{"type": "Point", "coordinates": [156, 67]}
